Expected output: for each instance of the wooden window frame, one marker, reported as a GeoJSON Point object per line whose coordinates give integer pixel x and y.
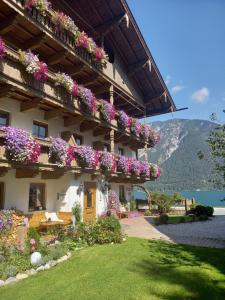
{"type": "Point", "coordinates": [7, 114]}
{"type": "Point", "coordinates": [41, 124]}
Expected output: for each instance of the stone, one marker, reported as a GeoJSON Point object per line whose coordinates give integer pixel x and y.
{"type": "Point", "coordinates": [2, 282]}
{"type": "Point", "coordinates": [69, 254]}
{"type": "Point", "coordinates": [52, 263]}
{"type": "Point", "coordinates": [10, 280]}
{"type": "Point", "coordinates": [61, 259]}
{"type": "Point", "coordinates": [47, 266]}
{"type": "Point", "coordinates": [31, 272]}
{"type": "Point", "coordinates": [35, 258]}
{"type": "Point", "coordinates": [21, 276]}
{"type": "Point", "coordinates": [41, 268]}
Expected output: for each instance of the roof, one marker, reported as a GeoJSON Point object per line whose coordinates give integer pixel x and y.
{"type": "Point", "coordinates": [131, 46]}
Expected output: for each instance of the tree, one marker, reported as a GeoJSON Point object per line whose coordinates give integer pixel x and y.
{"type": "Point", "coordinates": [147, 192]}
{"type": "Point", "coordinates": [165, 201]}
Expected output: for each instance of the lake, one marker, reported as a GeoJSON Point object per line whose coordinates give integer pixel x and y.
{"type": "Point", "coordinates": [211, 198]}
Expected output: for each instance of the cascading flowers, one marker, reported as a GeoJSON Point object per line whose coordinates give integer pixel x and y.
{"type": "Point", "coordinates": [123, 119]}
{"type": "Point", "coordinates": [62, 21]}
{"type": "Point", "coordinates": [81, 40]}
{"type": "Point", "coordinates": [21, 146]}
{"type": "Point", "coordinates": [135, 167]}
{"type": "Point", "coordinates": [107, 161]}
{"type": "Point", "coordinates": [2, 49]}
{"type": "Point", "coordinates": [135, 127]}
{"type": "Point", "coordinates": [88, 99]}
{"type": "Point", "coordinates": [60, 152]}
{"type": "Point", "coordinates": [107, 110]}
{"type": "Point", "coordinates": [154, 137]}
{"type": "Point", "coordinates": [100, 55]}
{"type": "Point", "coordinates": [145, 132]}
{"type": "Point", "coordinates": [67, 82]}
{"type": "Point", "coordinates": [145, 168]}
{"type": "Point", "coordinates": [41, 5]}
{"type": "Point", "coordinates": [123, 164]}
{"type": "Point", "coordinates": [86, 156]}
{"type": "Point", "coordinates": [33, 65]}
{"type": "Point", "coordinates": [155, 171]}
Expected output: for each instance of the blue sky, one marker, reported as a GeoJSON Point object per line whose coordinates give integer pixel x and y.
{"type": "Point", "coordinates": [187, 41]}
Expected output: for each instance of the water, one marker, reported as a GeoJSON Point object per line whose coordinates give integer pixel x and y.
{"type": "Point", "coordinates": [210, 198]}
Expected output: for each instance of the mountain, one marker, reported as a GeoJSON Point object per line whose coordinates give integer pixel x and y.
{"type": "Point", "coordinates": [176, 154]}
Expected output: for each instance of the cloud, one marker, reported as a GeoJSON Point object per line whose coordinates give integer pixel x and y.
{"type": "Point", "coordinates": [177, 88]}
{"type": "Point", "coordinates": [168, 79]}
{"type": "Point", "coordinates": [201, 95]}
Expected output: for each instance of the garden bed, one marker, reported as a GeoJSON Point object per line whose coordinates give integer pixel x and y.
{"type": "Point", "coordinates": [179, 219]}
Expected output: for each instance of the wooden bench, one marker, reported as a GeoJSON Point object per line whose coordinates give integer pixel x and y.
{"type": "Point", "coordinates": [38, 220]}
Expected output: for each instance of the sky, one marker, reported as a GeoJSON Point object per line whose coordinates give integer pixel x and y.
{"type": "Point", "coordinates": [187, 41]}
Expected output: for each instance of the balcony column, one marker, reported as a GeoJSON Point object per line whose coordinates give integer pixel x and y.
{"type": "Point", "coordinates": [112, 133]}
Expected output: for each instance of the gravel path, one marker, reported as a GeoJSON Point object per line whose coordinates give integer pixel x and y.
{"type": "Point", "coordinates": [209, 233]}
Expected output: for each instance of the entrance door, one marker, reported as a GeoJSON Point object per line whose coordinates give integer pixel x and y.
{"type": "Point", "coordinates": [89, 201]}
{"type": "Point", "coordinates": [2, 195]}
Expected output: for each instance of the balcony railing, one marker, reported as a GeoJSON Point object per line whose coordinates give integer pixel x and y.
{"type": "Point", "coordinates": [63, 36]}
{"type": "Point", "coordinates": [50, 170]}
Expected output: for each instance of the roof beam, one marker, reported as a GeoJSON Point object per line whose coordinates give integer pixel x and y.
{"type": "Point", "coordinates": [35, 42]}
{"type": "Point", "coordinates": [105, 28]}
{"type": "Point", "coordinates": [8, 24]}
{"type": "Point", "coordinates": [6, 91]}
{"type": "Point", "coordinates": [53, 113]}
{"type": "Point", "coordinates": [31, 104]}
{"type": "Point", "coordinates": [132, 69]}
{"type": "Point", "coordinates": [150, 101]}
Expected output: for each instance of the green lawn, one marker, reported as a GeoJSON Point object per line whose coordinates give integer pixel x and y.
{"type": "Point", "coordinates": [137, 269]}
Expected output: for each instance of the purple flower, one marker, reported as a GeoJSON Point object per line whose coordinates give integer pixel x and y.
{"type": "Point", "coordinates": [87, 98]}
{"type": "Point", "coordinates": [2, 49]}
{"type": "Point", "coordinates": [123, 119]}
{"type": "Point", "coordinates": [20, 145]}
{"type": "Point", "coordinates": [60, 152]}
{"type": "Point", "coordinates": [135, 127]}
{"type": "Point", "coordinates": [86, 156]}
{"type": "Point", "coordinates": [135, 167]}
{"type": "Point", "coordinates": [108, 110]}
{"type": "Point", "coordinates": [123, 164]}
{"type": "Point", "coordinates": [107, 161]}
{"type": "Point", "coordinates": [145, 168]}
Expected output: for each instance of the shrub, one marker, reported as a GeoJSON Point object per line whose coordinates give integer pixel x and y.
{"type": "Point", "coordinates": [163, 219]}
{"type": "Point", "coordinates": [209, 211]}
{"type": "Point", "coordinates": [147, 213]}
{"type": "Point", "coordinates": [200, 210]}
{"type": "Point", "coordinates": [133, 205]}
{"type": "Point", "coordinates": [104, 230]}
{"type": "Point", "coordinates": [10, 271]}
{"type": "Point", "coordinates": [56, 252]}
{"type": "Point", "coordinates": [182, 220]}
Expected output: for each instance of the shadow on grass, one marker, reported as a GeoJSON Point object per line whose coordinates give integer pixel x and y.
{"type": "Point", "coordinates": [183, 272]}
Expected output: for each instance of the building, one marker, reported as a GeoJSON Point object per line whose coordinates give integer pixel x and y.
{"type": "Point", "coordinates": [51, 104]}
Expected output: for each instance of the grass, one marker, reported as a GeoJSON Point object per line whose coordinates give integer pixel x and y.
{"type": "Point", "coordinates": [136, 269]}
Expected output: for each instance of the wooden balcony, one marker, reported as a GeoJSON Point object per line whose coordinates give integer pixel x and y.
{"type": "Point", "coordinates": [54, 100]}
{"type": "Point", "coordinates": [49, 170]}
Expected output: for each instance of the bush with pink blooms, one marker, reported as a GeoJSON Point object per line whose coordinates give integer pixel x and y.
{"type": "Point", "coordinates": [60, 152]}
{"type": "Point", "coordinates": [87, 99]}
{"type": "Point", "coordinates": [135, 167]}
{"type": "Point", "coordinates": [123, 164]}
{"type": "Point", "coordinates": [86, 156]}
{"type": "Point", "coordinates": [2, 49]}
{"type": "Point", "coordinates": [43, 6]}
{"type": "Point", "coordinates": [123, 119]}
{"type": "Point", "coordinates": [107, 161]}
{"type": "Point", "coordinates": [62, 21]}
{"type": "Point", "coordinates": [135, 127]}
{"type": "Point", "coordinates": [68, 83]}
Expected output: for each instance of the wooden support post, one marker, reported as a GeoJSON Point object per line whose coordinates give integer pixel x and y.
{"type": "Point", "coordinates": [112, 132]}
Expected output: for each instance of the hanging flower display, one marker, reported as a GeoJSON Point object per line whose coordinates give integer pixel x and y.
{"type": "Point", "coordinates": [86, 156]}
{"type": "Point", "coordinates": [88, 99]}
{"type": "Point", "coordinates": [21, 146]}
{"type": "Point", "coordinates": [41, 5]}
{"type": "Point", "coordinates": [2, 49]}
{"type": "Point", "coordinates": [67, 82]}
{"type": "Point", "coordinates": [107, 110]}
{"type": "Point", "coordinates": [33, 65]}
{"type": "Point", "coordinates": [155, 171]}
{"type": "Point", "coordinates": [145, 168]}
{"type": "Point", "coordinates": [62, 21]}
{"type": "Point", "coordinates": [135, 127]}
{"type": "Point", "coordinates": [60, 152]}
{"type": "Point", "coordinates": [107, 161]}
{"type": "Point", "coordinates": [123, 164]}
{"type": "Point", "coordinates": [145, 131]}
{"type": "Point", "coordinates": [135, 167]}
{"type": "Point", "coordinates": [82, 40]}
{"type": "Point", "coordinates": [123, 119]}
{"type": "Point", "coordinates": [154, 137]}
{"type": "Point", "coordinates": [100, 55]}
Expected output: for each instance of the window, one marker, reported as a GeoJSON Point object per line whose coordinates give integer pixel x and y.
{"type": "Point", "coordinates": [40, 130]}
{"type": "Point", "coordinates": [120, 151]}
{"type": "Point", "coordinates": [37, 197]}
{"type": "Point", "coordinates": [78, 139]}
{"type": "Point", "coordinates": [122, 194]}
{"type": "Point", "coordinates": [106, 147]}
{"type": "Point", "coordinates": [4, 118]}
